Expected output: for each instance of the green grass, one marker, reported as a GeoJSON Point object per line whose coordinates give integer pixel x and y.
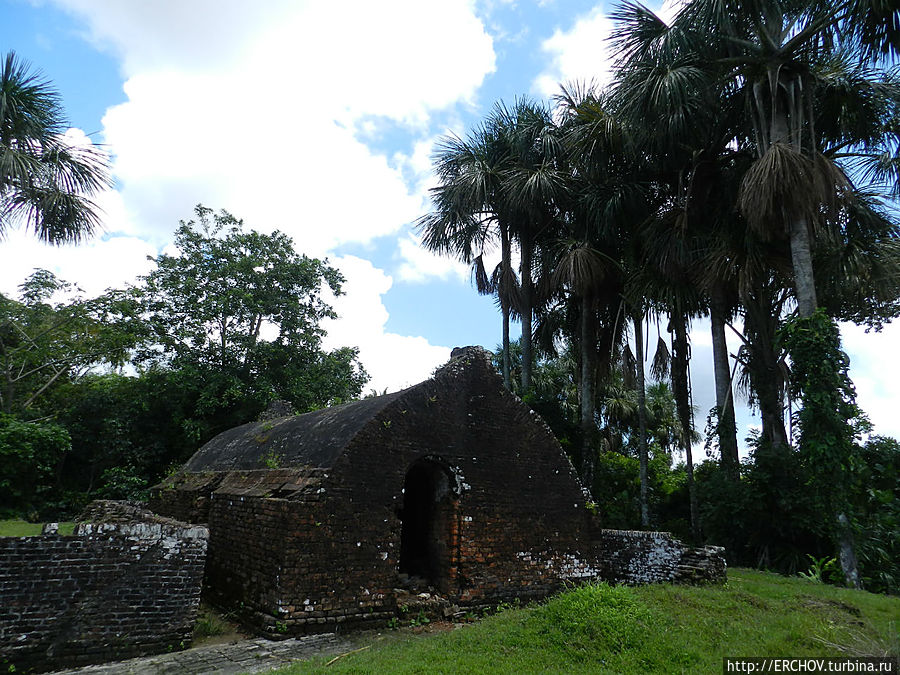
{"type": "Point", "coordinates": [22, 528]}
{"type": "Point", "coordinates": [212, 627]}
{"type": "Point", "coordinates": [649, 629]}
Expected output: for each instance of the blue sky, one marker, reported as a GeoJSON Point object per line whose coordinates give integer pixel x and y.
{"type": "Point", "coordinates": [318, 118]}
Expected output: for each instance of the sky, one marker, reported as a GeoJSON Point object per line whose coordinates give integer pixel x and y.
{"type": "Point", "coordinates": [319, 119]}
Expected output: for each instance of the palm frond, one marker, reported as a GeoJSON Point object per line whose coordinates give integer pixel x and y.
{"type": "Point", "coordinates": [662, 360]}
{"type": "Point", "coordinates": [785, 184]}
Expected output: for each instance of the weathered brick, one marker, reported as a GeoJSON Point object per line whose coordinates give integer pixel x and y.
{"type": "Point", "coordinates": [127, 584]}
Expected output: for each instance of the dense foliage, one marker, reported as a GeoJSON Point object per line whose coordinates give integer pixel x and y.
{"type": "Point", "coordinates": [772, 516]}
{"type": "Point", "coordinates": [102, 396]}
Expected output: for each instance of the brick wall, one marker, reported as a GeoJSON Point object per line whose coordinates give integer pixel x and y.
{"type": "Point", "coordinates": [633, 557]}
{"type": "Point", "coordinates": [110, 591]}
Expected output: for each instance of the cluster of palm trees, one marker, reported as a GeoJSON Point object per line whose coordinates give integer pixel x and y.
{"type": "Point", "coordinates": [741, 165]}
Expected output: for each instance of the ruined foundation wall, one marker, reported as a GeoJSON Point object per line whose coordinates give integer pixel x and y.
{"type": "Point", "coordinates": [339, 565]}
{"type": "Point", "coordinates": [521, 516]}
{"type": "Point", "coordinates": [306, 547]}
{"type": "Point", "coordinates": [110, 591]}
{"type": "Point", "coordinates": [517, 526]}
{"type": "Point", "coordinates": [634, 557]}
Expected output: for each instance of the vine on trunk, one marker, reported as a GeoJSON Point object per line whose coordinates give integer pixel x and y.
{"type": "Point", "coordinates": [830, 422]}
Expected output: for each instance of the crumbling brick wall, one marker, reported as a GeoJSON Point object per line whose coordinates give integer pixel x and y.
{"type": "Point", "coordinates": [125, 587]}
{"type": "Point", "coordinates": [634, 557]}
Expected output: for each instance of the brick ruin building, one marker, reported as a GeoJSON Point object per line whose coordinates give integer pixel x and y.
{"type": "Point", "coordinates": [334, 516]}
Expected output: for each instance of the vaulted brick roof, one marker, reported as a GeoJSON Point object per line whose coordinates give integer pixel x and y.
{"type": "Point", "coordinates": [314, 439]}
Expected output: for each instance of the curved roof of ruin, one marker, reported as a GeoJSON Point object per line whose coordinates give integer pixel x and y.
{"type": "Point", "coordinates": [317, 439]}
{"type": "Point", "coordinates": [314, 439]}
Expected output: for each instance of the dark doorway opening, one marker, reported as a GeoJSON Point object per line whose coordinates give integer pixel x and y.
{"type": "Point", "coordinates": [429, 506]}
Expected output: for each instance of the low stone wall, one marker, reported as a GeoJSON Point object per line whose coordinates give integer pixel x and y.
{"type": "Point", "coordinates": [127, 584]}
{"type": "Point", "coordinates": [635, 557]}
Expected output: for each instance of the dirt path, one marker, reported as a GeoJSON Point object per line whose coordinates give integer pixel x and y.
{"type": "Point", "coordinates": [244, 656]}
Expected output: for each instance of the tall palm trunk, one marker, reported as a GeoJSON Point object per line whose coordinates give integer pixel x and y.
{"type": "Point", "coordinates": [503, 292]}
{"type": "Point", "coordinates": [527, 313]}
{"type": "Point", "coordinates": [637, 318]}
{"type": "Point", "coordinates": [798, 228]}
{"type": "Point", "coordinates": [801, 261]}
{"type": "Point", "coordinates": [766, 377]}
{"type": "Point", "coordinates": [726, 428]}
{"type": "Point", "coordinates": [680, 359]}
{"type": "Point", "coordinates": [805, 289]}
{"type": "Point", "coordinates": [588, 375]}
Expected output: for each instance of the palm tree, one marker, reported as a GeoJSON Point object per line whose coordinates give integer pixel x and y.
{"type": "Point", "coordinates": [687, 137]}
{"type": "Point", "coordinates": [782, 81]}
{"type": "Point", "coordinates": [535, 183]}
{"type": "Point", "coordinates": [470, 212]}
{"type": "Point", "coordinates": [46, 182]}
{"type": "Point", "coordinates": [778, 59]}
{"type": "Point", "coordinates": [601, 203]}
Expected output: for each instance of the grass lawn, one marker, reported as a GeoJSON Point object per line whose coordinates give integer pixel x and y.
{"type": "Point", "coordinates": [648, 629]}
{"type": "Point", "coordinates": [22, 528]}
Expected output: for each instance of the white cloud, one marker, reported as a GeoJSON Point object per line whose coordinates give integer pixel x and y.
{"type": "Point", "coordinates": [109, 262]}
{"type": "Point", "coordinates": [393, 361]}
{"type": "Point", "coordinates": [420, 264]}
{"type": "Point", "coordinates": [259, 109]}
{"type": "Point", "coordinates": [582, 53]}
{"type": "Point", "coordinates": [874, 369]}
{"type": "Point", "coordinates": [579, 54]}
{"type": "Point", "coordinates": [169, 33]}
{"type": "Point", "coordinates": [256, 108]}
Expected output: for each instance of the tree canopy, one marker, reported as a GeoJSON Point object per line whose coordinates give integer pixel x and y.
{"type": "Point", "coordinates": [741, 165]}
{"type": "Point", "coordinates": [104, 395]}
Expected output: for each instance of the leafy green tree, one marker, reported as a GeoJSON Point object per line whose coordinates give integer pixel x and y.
{"type": "Point", "coordinates": [877, 503]}
{"type": "Point", "coordinates": [30, 456]}
{"type": "Point", "coordinates": [238, 315]}
{"type": "Point", "coordinates": [830, 423]}
{"type": "Point", "coordinates": [46, 181]}
{"type": "Point", "coordinates": [140, 424]}
{"type": "Point", "coordinates": [48, 337]}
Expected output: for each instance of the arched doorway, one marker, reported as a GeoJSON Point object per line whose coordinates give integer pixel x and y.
{"type": "Point", "coordinates": [428, 518]}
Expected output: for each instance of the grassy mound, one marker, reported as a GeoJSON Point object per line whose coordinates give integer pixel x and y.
{"type": "Point", "coordinates": [22, 528]}
{"type": "Point", "coordinates": [649, 629]}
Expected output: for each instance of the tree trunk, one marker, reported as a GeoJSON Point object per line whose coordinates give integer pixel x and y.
{"type": "Point", "coordinates": [637, 318]}
{"type": "Point", "coordinates": [801, 261]}
{"type": "Point", "coordinates": [766, 377]}
{"type": "Point", "coordinates": [805, 290]}
{"type": "Point", "coordinates": [681, 390]}
{"type": "Point", "coordinates": [503, 293]}
{"type": "Point", "coordinates": [527, 310]}
{"type": "Point", "coordinates": [849, 563]}
{"type": "Point", "coordinates": [588, 371]}
{"type": "Point", "coordinates": [726, 428]}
